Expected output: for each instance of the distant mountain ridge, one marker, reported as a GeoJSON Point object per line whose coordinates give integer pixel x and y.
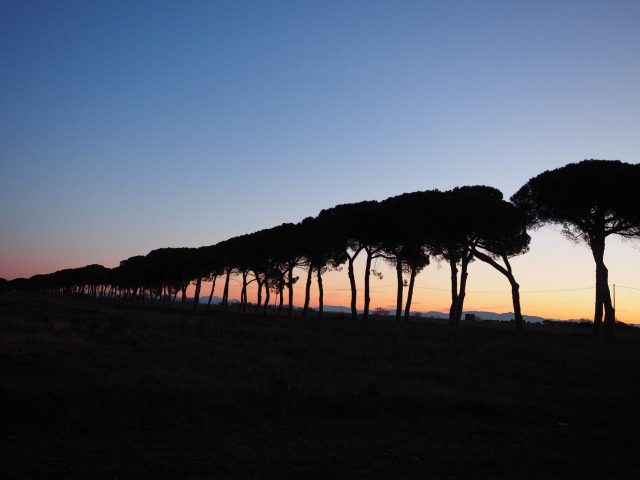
{"type": "Point", "coordinates": [480, 315]}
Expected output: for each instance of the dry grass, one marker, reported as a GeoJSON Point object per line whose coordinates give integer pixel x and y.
{"type": "Point", "coordinates": [109, 391]}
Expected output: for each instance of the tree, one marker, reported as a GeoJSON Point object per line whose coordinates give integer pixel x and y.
{"type": "Point", "coordinates": [322, 250]}
{"type": "Point", "coordinates": [287, 254]}
{"type": "Point", "coordinates": [355, 225]}
{"type": "Point", "coordinates": [214, 266]}
{"type": "Point", "coordinates": [589, 200]}
{"type": "Point", "coordinates": [455, 238]}
{"type": "Point", "coordinates": [172, 267]}
{"type": "Point", "coordinates": [502, 234]}
{"type": "Point", "coordinates": [228, 251]}
{"type": "Point", "coordinates": [406, 238]}
{"type": "Point", "coordinates": [257, 259]}
{"type": "Point", "coordinates": [200, 270]}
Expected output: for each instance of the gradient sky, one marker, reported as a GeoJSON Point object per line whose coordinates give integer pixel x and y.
{"type": "Point", "coordinates": [128, 126]}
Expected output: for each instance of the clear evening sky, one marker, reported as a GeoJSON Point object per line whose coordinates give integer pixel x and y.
{"type": "Point", "coordinates": [128, 126]}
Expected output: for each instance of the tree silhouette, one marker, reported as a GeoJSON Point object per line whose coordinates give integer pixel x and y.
{"type": "Point", "coordinates": [200, 269]}
{"type": "Point", "coordinates": [590, 200]}
{"type": "Point", "coordinates": [172, 267]}
{"type": "Point", "coordinates": [228, 252]}
{"type": "Point", "coordinates": [213, 266]}
{"type": "Point", "coordinates": [322, 250]}
{"type": "Point", "coordinates": [287, 253]}
{"type": "Point", "coordinates": [355, 224]}
{"type": "Point", "coordinates": [502, 233]}
{"type": "Point", "coordinates": [455, 240]}
{"type": "Point", "coordinates": [369, 234]}
{"type": "Point", "coordinates": [407, 224]}
{"type": "Point", "coordinates": [257, 257]}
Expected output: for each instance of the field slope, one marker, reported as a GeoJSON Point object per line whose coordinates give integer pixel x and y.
{"type": "Point", "coordinates": [91, 390]}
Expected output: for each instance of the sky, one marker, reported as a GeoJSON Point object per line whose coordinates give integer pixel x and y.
{"type": "Point", "coordinates": [129, 126]}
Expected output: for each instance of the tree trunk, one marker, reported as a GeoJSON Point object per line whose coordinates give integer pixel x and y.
{"type": "Point", "coordinates": [290, 286]}
{"type": "Point", "coordinates": [515, 287]}
{"type": "Point", "coordinates": [213, 287]}
{"type": "Point", "coordinates": [609, 312]}
{"type": "Point", "coordinates": [400, 288]}
{"type": "Point", "coordinates": [196, 295]}
{"type": "Point", "coordinates": [183, 296]}
{"type": "Point", "coordinates": [320, 294]}
{"type": "Point", "coordinates": [463, 288]}
{"type": "Point", "coordinates": [454, 291]}
{"type": "Point", "coordinates": [267, 297]}
{"type": "Point", "coordinates": [225, 294]}
{"type": "Point", "coordinates": [515, 297]}
{"type": "Point", "coordinates": [602, 287]}
{"type": "Point", "coordinates": [407, 308]}
{"type": "Point", "coordinates": [281, 300]}
{"type": "Point", "coordinates": [597, 318]}
{"type": "Point", "coordinates": [367, 277]}
{"type": "Point", "coordinates": [243, 293]}
{"type": "Point", "coordinates": [259, 299]}
{"type": "Point", "coordinates": [307, 291]}
{"type": "Point", "coordinates": [352, 283]}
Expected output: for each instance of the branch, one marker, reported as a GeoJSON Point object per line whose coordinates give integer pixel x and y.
{"type": "Point", "coordinates": [487, 259]}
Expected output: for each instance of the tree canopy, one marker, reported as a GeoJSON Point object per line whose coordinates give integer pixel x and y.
{"type": "Point", "coordinates": [590, 200]}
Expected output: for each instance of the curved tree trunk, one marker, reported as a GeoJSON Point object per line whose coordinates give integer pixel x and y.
{"type": "Point", "coordinates": [400, 288]}
{"type": "Point", "coordinates": [367, 278]}
{"type": "Point", "coordinates": [267, 297]}
{"type": "Point", "coordinates": [307, 291]}
{"type": "Point", "coordinates": [225, 293]}
{"type": "Point", "coordinates": [515, 287]}
{"type": "Point", "coordinates": [609, 313]}
{"type": "Point", "coordinates": [602, 287]}
{"type": "Point", "coordinates": [463, 288]}
{"type": "Point", "coordinates": [320, 294]}
{"type": "Point", "coordinates": [243, 292]}
{"type": "Point", "coordinates": [183, 295]}
{"type": "Point", "coordinates": [290, 286]}
{"type": "Point", "coordinates": [352, 283]}
{"type": "Point", "coordinates": [213, 287]}
{"type": "Point", "coordinates": [196, 295]}
{"type": "Point", "coordinates": [407, 308]}
{"type": "Point", "coordinates": [515, 298]}
{"type": "Point", "coordinates": [259, 299]}
{"type": "Point", "coordinates": [598, 315]}
{"type": "Point", "coordinates": [454, 291]}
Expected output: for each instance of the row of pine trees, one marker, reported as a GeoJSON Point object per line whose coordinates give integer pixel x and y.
{"type": "Point", "coordinates": [590, 200]}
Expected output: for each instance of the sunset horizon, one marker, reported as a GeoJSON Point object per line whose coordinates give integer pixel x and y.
{"type": "Point", "coordinates": [376, 239]}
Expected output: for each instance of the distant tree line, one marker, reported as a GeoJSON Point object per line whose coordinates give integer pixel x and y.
{"type": "Point", "coordinates": [590, 200]}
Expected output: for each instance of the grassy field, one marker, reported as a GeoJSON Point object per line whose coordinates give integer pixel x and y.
{"type": "Point", "coordinates": [96, 390]}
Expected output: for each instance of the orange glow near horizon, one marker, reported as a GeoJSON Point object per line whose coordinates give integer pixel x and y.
{"type": "Point", "coordinates": [556, 281]}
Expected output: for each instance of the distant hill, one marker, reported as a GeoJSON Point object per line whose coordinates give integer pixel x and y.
{"type": "Point", "coordinates": [433, 314]}
{"type": "Point", "coordinates": [504, 317]}
{"type": "Point", "coordinates": [214, 300]}
{"type": "Point", "coordinates": [480, 315]}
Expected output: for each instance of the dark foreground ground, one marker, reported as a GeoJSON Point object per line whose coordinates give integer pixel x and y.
{"type": "Point", "coordinates": [90, 390]}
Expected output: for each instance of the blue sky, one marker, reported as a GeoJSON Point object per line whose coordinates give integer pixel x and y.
{"type": "Point", "coordinates": [127, 126]}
